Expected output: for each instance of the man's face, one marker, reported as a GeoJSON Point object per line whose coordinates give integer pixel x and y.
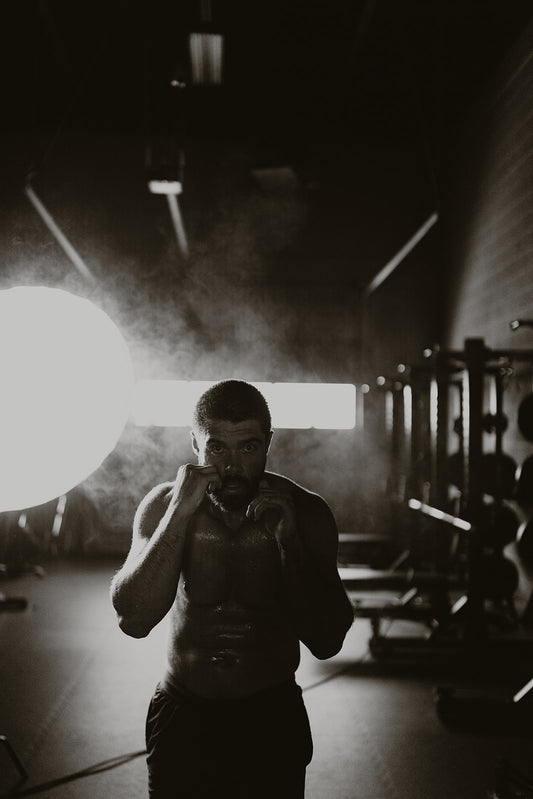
{"type": "Point", "coordinates": [238, 450]}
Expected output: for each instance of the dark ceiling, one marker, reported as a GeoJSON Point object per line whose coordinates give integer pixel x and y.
{"type": "Point", "coordinates": [320, 70]}
{"type": "Point", "coordinates": [360, 99]}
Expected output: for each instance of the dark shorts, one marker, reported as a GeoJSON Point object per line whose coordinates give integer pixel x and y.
{"type": "Point", "coordinates": [250, 748]}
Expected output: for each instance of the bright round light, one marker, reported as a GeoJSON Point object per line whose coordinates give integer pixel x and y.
{"type": "Point", "coordinates": [66, 382]}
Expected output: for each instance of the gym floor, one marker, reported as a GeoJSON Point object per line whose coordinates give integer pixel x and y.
{"type": "Point", "coordinates": [74, 693]}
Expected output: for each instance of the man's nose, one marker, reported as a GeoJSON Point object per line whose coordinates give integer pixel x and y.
{"type": "Point", "coordinates": [232, 464]}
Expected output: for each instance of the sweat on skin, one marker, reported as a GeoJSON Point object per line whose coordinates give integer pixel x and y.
{"type": "Point", "coordinates": [243, 559]}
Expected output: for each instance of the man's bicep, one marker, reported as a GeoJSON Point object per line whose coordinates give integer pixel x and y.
{"type": "Point", "coordinates": [320, 530]}
{"type": "Point", "coordinates": [147, 517]}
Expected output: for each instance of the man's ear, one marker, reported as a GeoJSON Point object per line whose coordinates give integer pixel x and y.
{"type": "Point", "coordinates": [268, 439]}
{"type": "Point", "coordinates": [194, 443]}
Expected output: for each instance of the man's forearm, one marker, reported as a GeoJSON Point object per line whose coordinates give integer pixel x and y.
{"type": "Point", "coordinates": [144, 589]}
{"type": "Point", "coordinates": [320, 610]}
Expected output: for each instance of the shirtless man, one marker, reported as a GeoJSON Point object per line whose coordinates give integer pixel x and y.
{"type": "Point", "coordinates": [245, 561]}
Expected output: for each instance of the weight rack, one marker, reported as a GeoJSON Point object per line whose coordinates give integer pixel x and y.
{"type": "Point", "coordinates": [421, 466]}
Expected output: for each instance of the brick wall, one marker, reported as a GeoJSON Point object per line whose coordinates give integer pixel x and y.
{"type": "Point", "coordinates": [490, 225]}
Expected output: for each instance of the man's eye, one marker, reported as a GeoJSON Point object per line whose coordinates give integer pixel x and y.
{"type": "Point", "coordinates": [215, 449]}
{"type": "Point", "coordinates": [250, 447]}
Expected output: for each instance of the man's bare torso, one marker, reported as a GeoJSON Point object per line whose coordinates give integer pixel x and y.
{"type": "Point", "coordinates": [229, 630]}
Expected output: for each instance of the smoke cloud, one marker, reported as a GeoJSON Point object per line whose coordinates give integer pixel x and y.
{"type": "Point", "coordinates": [220, 314]}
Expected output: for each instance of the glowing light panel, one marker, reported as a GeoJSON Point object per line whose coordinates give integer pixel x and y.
{"type": "Point", "coordinates": [66, 392]}
{"type": "Point", "coordinates": [206, 51]}
{"type": "Point", "coordinates": [170, 403]}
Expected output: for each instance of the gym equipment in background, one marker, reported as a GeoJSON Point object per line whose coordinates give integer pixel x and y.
{"type": "Point", "coordinates": [474, 613]}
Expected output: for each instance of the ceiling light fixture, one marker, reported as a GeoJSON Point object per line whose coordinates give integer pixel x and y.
{"type": "Point", "coordinates": [206, 51]}
{"type": "Point", "coordinates": [171, 189]}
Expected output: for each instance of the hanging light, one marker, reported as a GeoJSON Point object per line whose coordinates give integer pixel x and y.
{"type": "Point", "coordinates": [206, 51]}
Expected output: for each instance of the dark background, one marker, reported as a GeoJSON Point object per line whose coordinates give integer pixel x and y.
{"type": "Point", "coordinates": [356, 116]}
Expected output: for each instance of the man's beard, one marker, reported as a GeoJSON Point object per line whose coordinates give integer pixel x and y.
{"type": "Point", "coordinates": [238, 497]}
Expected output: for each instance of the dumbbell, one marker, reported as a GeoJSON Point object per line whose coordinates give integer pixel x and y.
{"type": "Point", "coordinates": [497, 473]}
{"type": "Point", "coordinates": [495, 423]}
{"type": "Point", "coordinates": [498, 577]}
{"type": "Point", "coordinates": [498, 525]}
{"type": "Point", "coordinates": [491, 423]}
{"type": "Point", "coordinates": [525, 417]}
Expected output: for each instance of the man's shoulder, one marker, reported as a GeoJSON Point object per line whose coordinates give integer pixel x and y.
{"type": "Point", "coordinates": [280, 482]}
{"type": "Point", "coordinates": [155, 501]}
{"type": "Point", "coordinates": [159, 493]}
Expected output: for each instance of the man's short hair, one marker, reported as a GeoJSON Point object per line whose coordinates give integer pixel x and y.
{"type": "Point", "coordinates": [232, 401]}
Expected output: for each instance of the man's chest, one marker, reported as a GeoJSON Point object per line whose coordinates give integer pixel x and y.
{"type": "Point", "coordinates": [241, 565]}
